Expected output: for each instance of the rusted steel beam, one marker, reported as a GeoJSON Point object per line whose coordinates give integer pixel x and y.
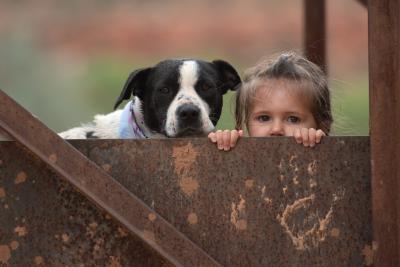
{"type": "Point", "coordinates": [314, 32]}
{"type": "Point", "coordinates": [268, 202]}
{"type": "Point", "coordinates": [384, 80]}
{"type": "Point", "coordinates": [98, 186]}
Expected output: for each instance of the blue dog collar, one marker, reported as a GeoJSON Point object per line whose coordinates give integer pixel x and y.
{"type": "Point", "coordinates": [128, 127]}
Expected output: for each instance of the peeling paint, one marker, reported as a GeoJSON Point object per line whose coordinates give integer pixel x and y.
{"type": "Point", "coordinates": [184, 157]}
{"type": "Point", "coordinates": [21, 177]}
{"type": "Point", "coordinates": [2, 192]}
{"type": "Point", "coordinates": [152, 216]}
{"type": "Point", "coordinates": [312, 183]}
{"type": "Point", "coordinates": [312, 168]}
{"type": "Point", "coordinates": [237, 214]}
{"type": "Point", "coordinates": [188, 185]}
{"type": "Point", "coordinates": [5, 254]}
{"type": "Point", "coordinates": [306, 238]}
{"type": "Point", "coordinates": [295, 180]}
{"type": "Point", "coordinates": [20, 230]}
{"type": "Point", "coordinates": [268, 200]}
{"type": "Point", "coordinates": [14, 245]}
{"type": "Point", "coordinates": [192, 218]}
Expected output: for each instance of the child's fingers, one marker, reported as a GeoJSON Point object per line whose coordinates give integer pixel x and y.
{"type": "Point", "coordinates": [234, 137]}
{"type": "Point", "coordinates": [312, 137]}
{"type": "Point", "coordinates": [297, 135]}
{"type": "Point", "coordinates": [304, 136]}
{"type": "Point", "coordinates": [318, 136]}
{"type": "Point", "coordinates": [226, 140]}
{"type": "Point", "coordinates": [213, 137]}
{"type": "Point", "coordinates": [240, 133]}
{"type": "Point", "coordinates": [220, 140]}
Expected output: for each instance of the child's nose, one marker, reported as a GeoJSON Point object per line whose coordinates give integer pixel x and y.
{"type": "Point", "coordinates": [277, 129]}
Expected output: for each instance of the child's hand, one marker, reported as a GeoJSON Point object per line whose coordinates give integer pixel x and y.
{"type": "Point", "coordinates": [308, 137]}
{"type": "Point", "coordinates": [225, 139]}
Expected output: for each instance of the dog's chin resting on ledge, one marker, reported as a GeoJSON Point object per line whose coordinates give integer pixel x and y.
{"type": "Point", "coordinates": [175, 98]}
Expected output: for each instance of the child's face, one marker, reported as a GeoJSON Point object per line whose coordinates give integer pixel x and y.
{"type": "Point", "coordinates": [278, 110]}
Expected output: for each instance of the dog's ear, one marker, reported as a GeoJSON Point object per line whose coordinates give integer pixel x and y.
{"type": "Point", "coordinates": [230, 77]}
{"type": "Point", "coordinates": [134, 85]}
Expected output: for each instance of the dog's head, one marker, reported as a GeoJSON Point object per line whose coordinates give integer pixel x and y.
{"type": "Point", "coordinates": [181, 97]}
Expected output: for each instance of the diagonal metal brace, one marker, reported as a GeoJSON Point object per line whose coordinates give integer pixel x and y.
{"type": "Point", "coordinates": [99, 187]}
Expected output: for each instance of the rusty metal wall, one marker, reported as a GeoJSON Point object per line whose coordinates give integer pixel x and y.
{"type": "Point", "coordinates": [384, 80]}
{"type": "Point", "coordinates": [269, 202]}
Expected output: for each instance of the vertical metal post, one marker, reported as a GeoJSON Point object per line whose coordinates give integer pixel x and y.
{"type": "Point", "coordinates": [315, 32]}
{"type": "Point", "coordinates": [384, 78]}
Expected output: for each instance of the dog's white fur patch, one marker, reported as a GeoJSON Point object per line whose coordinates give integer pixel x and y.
{"type": "Point", "coordinates": [103, 126]}
{"type": "Point", "coordinates": [187, 95]}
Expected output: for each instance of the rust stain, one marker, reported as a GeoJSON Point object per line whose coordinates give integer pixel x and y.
{"type": "Point", "coordinates": [2, 192]}
{"type": "Point", "coordinates": [5, 254]}
{"type": "Point", "coordinates": [14, 245]}
{"type": "Point", "coordinates": [152, 217]}
{"type": "Point", "coordinates": [38, 260]}
{"type": "Point", "coordinates": [20, 230]}
{"type": "Point", "coordinates": [114, 262]}
{"type": "Point", "coordinates": [106, 167]}
{"type": "Point", "coordinates": [21, 177]}
{"type": "Point", "coordinates": [237, 214]}
{"type": "Point", "coordinates": [307, 238]}
{"type": "Point", "coordinates": [53, 158]}
{"type": "Point", "coordinates": [188, 185]}
{"type": "Point", "coordinates": [122, 232]}
{"type": "Point", "coordinates": [249, 183]}
{"type": "Point", "coordinates": [335, 232]}
{"type": "Point", "coordinates": [192, 218]}
{"type": "Point", "coordinates": [312, 168]}
{"type": "Point", "coordinates": [295, 180]}
{"type": "Point", "coordinates": [268, 200]}
{"type": "Point", "coordinates": [93, 225]}
{"type": "Point", "coordinates": [368, 254]}
{"type": "Point", "coordinates": [312, 183]}
{"type": "Point", "coordinates": [65, 238]}
{"type": "Point", "coordinates": [184, 157]}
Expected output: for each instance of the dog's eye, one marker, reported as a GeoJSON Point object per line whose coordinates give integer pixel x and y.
{"type": "Point", "coordinates": [164, 90]}
{"type": "Point", "coordinates": [205, 87]}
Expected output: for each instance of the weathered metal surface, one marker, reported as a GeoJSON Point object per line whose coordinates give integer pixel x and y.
{"type": "Point", "coordinates": [98, 186]}
{"type": "Point", "coordinates": [315, 32]}
{"type": "Point", "coordinates": [384, 77]}
{"type": "Point", "coordinates": [269, 202]}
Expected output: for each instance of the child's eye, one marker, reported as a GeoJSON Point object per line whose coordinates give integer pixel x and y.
{"type": "Point", "coordinates": [263, 118]}
{"type": "Point", "coordinates": [293, 119]}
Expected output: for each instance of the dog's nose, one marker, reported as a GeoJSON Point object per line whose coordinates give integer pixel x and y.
{"type": "Point", "coordinates": [188, 113]}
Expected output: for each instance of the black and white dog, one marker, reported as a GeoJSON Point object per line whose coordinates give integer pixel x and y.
{"type": "Point", "coordinates": [175, 98]}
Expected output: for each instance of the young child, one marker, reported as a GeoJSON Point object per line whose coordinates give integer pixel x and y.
{"type": "Point", "coordinates": [286, 96]}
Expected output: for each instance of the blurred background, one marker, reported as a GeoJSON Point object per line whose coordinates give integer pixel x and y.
{"type": "Point", "coordinates": [66, 61]}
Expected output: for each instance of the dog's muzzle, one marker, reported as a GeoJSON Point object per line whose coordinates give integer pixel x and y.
{"type": "Point", "coordinates": [189, 120]}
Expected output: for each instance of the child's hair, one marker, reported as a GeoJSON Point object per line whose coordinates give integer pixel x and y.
{"type": "Point", "coordinates": [293, 67]}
